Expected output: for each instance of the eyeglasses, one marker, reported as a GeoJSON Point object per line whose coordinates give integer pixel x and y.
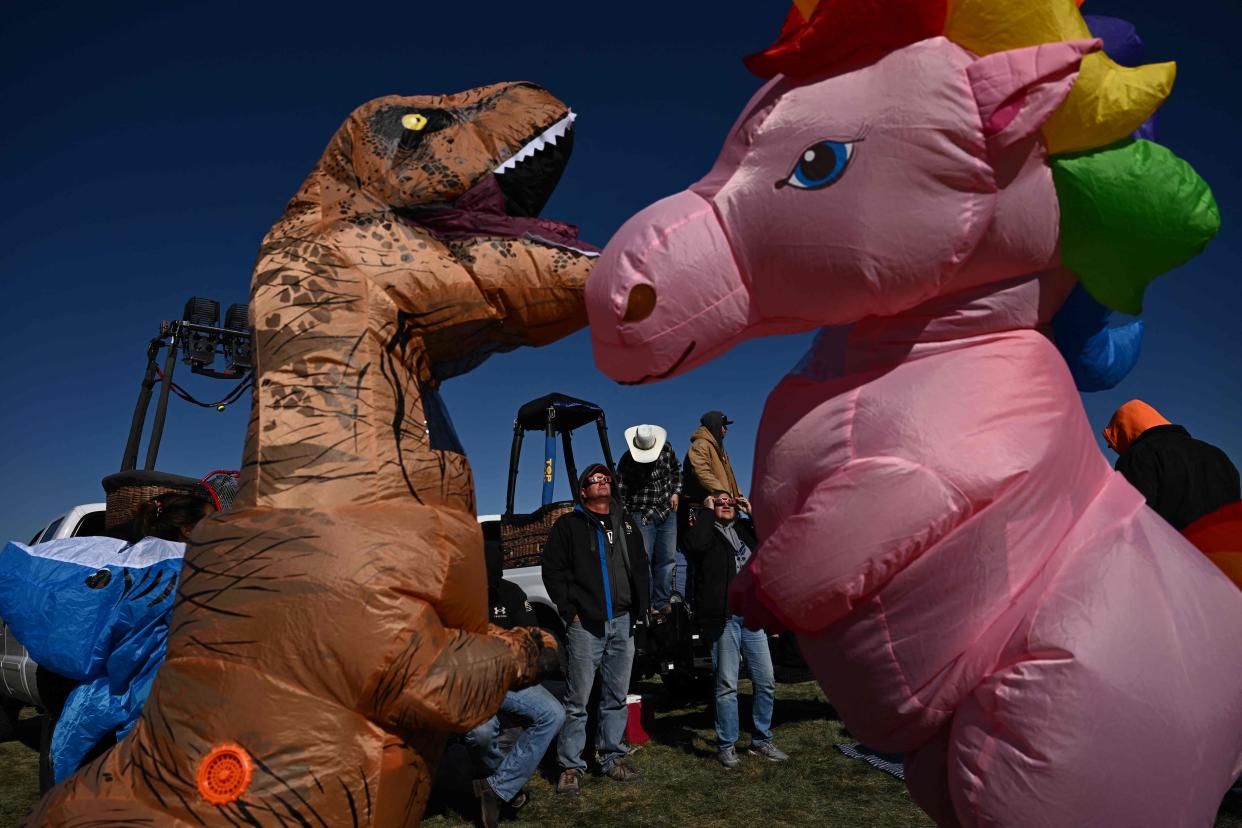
{"type": "Point", "coordinates": [597, 479]}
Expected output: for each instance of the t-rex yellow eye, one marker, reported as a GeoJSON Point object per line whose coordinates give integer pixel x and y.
{"type": "Point", "coordinates": [414, 121]}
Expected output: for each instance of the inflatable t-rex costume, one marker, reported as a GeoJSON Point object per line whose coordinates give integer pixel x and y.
{"type": "Point", "coordinates": [971, 583]}
{"type": "Point", "coordinates": [332, 628]}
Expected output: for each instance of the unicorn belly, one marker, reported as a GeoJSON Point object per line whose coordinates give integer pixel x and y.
{"type": "Point", "coordinates": [946, 578]}
{"type": "Point", "coordinates": [1124, 620]}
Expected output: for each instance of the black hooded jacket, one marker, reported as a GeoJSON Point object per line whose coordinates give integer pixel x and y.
{"type": "Point", "coordinates": [1182, 478]}
{"type": "Point", "coordinates": [713, 565]}
{"type": "Point", "coordinates": [573, 570]}
{"type": "Point", "coordinates": [508, 606]}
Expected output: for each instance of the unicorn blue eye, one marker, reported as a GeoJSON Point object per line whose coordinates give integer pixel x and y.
{"type": "Point", "coordinates": [820, 165]}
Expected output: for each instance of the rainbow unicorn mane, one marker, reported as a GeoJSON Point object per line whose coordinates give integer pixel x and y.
{"type": "Point", "coordinates": [1130, 209]}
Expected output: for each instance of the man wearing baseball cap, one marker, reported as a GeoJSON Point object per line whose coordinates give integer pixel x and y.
{"type": "Point", "coordinates": [649, 486]}
{"type": "Point", "coordinates": [595, 571]}
{"type": "Point", "coordinates": [707, 468]}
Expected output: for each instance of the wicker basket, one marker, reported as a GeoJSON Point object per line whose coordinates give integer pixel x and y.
{"type": "Point", "coordinates": [127, 490]}
{"type": "Point", "coordinates": [522, 536]}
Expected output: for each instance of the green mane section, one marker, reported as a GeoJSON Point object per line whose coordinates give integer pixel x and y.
{"type": "Point", "coordinates": [1129, 212]}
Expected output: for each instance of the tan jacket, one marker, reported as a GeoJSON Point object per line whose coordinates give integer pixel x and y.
{"type": "Point", "coordinates": [711, 463]}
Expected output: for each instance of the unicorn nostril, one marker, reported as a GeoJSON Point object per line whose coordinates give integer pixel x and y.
{"type": "Point", "coordinates": [641, 303]}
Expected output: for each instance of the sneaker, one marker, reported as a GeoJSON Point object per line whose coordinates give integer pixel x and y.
{"type": "Point", "coordinates": [567, 785]}
{"type": "Point", "coordinates": [728, 757]}
{"type": "Point", "coordinates": [489, 804]}
{"type": "Point", "coordinates": [769, 751]}
{"type": "Point", "coordinates": [620, 772]}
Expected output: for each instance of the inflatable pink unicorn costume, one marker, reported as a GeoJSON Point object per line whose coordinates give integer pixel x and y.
{"type": "Point", "coordinates": [970, 581]}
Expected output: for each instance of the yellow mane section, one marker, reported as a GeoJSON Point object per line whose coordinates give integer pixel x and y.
{"type": "Point", "coordinates": [805, 7]}
{"type": "Point", "coordinates": [1108, 101]}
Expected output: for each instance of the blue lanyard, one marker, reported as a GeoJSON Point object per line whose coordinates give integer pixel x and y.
{"type": "Point", "coordinates": [603, 565]}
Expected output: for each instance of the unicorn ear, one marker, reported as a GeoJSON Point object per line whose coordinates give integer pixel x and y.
{"type": "Point", "coordinates": [1018, 89]}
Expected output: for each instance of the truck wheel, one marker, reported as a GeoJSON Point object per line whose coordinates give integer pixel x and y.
{"type": "Point", "coordinates": [10, 709]}
{"type": "Point", "coordinates": [47, 779]}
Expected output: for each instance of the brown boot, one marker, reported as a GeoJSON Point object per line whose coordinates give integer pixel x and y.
{"type": "Point", "coordinates": [618, 771]}
{"type": "Point", "coordinates": [568, 785]}
{"type": "Point", "coordinates": [489, 804]}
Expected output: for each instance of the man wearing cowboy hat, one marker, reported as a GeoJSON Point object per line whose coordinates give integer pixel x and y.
{"type": "Point", "coordinates": [650, 485]}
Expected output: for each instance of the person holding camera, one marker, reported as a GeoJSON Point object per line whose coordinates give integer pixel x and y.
{"type": "Point", "coordinates": [718, 546]}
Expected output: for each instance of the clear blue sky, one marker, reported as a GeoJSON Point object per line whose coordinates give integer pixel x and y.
{"type": "Point", "coordinates": [148, 147]}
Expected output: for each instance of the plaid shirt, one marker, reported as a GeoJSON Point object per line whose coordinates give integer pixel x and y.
{"type": "Point", "coordinates": [646, 488]}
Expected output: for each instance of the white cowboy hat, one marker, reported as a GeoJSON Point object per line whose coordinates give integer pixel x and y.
{"type": "Point", "coordinates": [645, 442]}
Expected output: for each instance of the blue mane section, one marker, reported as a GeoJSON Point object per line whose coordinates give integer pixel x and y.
{"type": "Point", "coordinates": [1099, 356]}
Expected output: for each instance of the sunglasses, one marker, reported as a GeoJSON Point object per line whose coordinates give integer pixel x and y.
{"type": "Point", "coordinates": [598, 478]}
{"type": "Point", "coordinates": [724, 501]}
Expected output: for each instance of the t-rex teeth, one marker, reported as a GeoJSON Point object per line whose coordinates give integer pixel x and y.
{"type": "Point", "coordinates": [540, 141]}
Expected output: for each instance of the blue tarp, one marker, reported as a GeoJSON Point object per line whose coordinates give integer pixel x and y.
{"type": "Point", "coordinates": [94, 610]}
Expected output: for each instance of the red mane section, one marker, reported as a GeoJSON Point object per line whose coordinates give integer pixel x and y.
{"type": "Point", "coordinates": [842, 30]}
{"type": "Point", "coordinates": [1219, 536]}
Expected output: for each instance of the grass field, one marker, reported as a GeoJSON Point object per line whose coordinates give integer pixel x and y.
{"type": "Point", "coordinates": [683, 784]}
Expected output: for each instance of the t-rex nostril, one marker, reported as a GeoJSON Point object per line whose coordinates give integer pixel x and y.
{"type": "Point", "coordinates": [641, 303]}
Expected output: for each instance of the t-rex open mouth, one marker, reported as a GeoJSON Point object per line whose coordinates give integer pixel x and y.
{"type": "Point", "coordinates": [528, 177]}
{"type": "Point", "coordinates": [506, 204]}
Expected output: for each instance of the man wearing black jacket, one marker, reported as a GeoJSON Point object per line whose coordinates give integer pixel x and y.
{"type": "Point", "coordinates": [718, 546]}
{"type": "Point", "coordinates": [595, 570]}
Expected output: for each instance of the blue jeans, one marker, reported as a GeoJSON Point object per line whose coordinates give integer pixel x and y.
{"type": "Point", "coordinates": [682, 577]}
{"type": "Point", "coordinates": [510, 772]}
{"type": "Point", "coordinates": [606, 647]}
{"type": "Point", "coordinates": [660, 540]}
{"type": "Point", "coordinates": [735, 641]}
